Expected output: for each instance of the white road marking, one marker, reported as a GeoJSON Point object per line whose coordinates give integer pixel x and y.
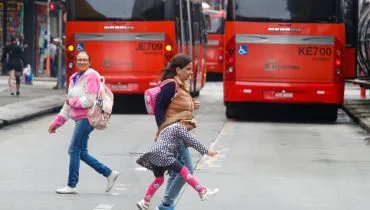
{"type": "Point", "coordinates": [215, 162]}
{"type": "Point", "coordinates": [104, 207]}
{"type": "Point", "coordinates": [140, 169]}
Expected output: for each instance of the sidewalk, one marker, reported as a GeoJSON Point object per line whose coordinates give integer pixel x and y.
{"type": "Point", "coordinates": [357, 107]}
{"type": "Point", "coordinates": [35, 100]}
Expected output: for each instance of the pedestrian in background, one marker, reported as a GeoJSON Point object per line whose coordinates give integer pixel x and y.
{"type": "Point", "coordinates": [53, 58]}
{"type": "Point", "coordinates": [82, 92]}
{"type": "Point", "coordinates": [21, 42]}
{"type": "Point", "coordinates": [173, 99]}
{"type": "Point", "coordinates": [13, 57]}
{"type": "Point", "coordinates": [162, 156]}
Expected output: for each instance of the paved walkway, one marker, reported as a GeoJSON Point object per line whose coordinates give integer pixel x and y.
{"type": "Point", "coordinates": [35, 100]}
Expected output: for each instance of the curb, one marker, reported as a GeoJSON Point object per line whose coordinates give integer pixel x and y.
{"type": "Point", "coordinates": [26, 110]}
{"type": "Point", "coordinates": [24, 118]}
{"type": "Point", "coordinates": [361, 121]}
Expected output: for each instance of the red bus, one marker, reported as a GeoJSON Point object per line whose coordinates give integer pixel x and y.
{"type": "Point", "coordinates": [215, 22]}
{"type": "Point", "coordinates": [130, 41]}
{"type": "Point", "coordinates": [288, 52]}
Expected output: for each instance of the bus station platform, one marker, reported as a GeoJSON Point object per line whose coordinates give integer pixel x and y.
{"type": "Point", "coordinates": [357, 103]}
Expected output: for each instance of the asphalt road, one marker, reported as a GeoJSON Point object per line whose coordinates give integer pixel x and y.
{"type": "Point", "coordinates": [260, 166]}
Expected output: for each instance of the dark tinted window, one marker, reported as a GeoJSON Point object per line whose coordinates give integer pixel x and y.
{"type": "Point", "coordinates": [350, 18]}
{"type": "Point", "coordinates": [109, 10]}
{"type": "Point", "coordinates": [284, 10]}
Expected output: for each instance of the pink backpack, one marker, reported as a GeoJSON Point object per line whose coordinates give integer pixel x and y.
{"type": "Point", "coordinates": [151, 95]}
{"type": "Point", "coordinates": [100, 113]}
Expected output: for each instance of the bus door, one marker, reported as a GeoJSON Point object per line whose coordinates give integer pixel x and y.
{"type": "Point", "coordinates": [350, 18]}
{"type": "Point", "coordinates": [192, 43]}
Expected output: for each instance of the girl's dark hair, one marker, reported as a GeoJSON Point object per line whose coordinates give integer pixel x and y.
{"type": "Point", "coordinates": [178, 61]}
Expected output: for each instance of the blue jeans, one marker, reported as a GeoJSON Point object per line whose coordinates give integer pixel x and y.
{"type": "Point", "coordinates": [175, 181]}
{"type": "Point", "coordinates": [78, 150]}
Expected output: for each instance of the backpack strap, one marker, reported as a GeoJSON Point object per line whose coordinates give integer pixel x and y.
{"type": "Point", "coordinates": [164, 82]}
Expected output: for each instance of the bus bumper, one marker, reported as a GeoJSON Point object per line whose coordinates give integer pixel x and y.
{"type": "Point", "coordinates": [263, 92]}
{"type": "Point", "coordinates": [130, 85]}
{"type": "Point", "coordinates": [213, 67]}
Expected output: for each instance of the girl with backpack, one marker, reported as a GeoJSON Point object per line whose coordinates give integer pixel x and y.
{"type": "Point", "coordinates": [163, 154]}
{"type": "Point", "coordinates": [82, 92]}
{"type": "Point", "coordinates": [173, 99]}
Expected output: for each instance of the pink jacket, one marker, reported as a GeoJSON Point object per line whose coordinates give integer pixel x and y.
{"type": "Point", "coordinates": [81, 96]}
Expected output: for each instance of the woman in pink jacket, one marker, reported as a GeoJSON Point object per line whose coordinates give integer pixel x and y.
{"type": "Point", "coordinates": [82, 91]}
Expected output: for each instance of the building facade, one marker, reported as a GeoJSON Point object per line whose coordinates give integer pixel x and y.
{"type": "Point", "coordinates": [27, 17]}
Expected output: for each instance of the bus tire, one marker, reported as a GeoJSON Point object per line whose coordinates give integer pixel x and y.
{"type": "Point", "coordinates": [230, 111]}
{"type": "Point", "coordinates": [328, 114]}
{"type": "Point", "coordinates": [332, 114]}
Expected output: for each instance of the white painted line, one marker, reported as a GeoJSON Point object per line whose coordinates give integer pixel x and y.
{"type": "Point", "coordinates": [140, 169]}
{"type": "Point", "coordinates": [215, 162]}
{"type": "Point", "coordinates": [104, 207]}
{"type": "Point", "coordinates": [124, 185]}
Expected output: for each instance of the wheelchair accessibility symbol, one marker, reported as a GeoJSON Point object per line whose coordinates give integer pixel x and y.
{"type": "Point", "coordinates": [243, 50]}
{"type": "Point", "coordinates": [80, 46]}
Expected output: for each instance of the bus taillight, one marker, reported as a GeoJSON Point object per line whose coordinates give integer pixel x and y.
{"type": "Point", "coordinates": [337, 62]}
{"type": "Point", "coordinates": [168, 50]}
{"type": "Point", "coordinates": [338, 67]}
{"type": "Point", "coordinates": [229, 74]}
{"type": "Point", "coordinates": [70, 48]}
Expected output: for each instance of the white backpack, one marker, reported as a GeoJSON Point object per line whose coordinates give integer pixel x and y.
{"type": "Point", "coordinates": [100, 113]}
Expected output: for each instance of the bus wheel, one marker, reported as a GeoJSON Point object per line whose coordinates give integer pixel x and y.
{"type": "Point", "coordinates": [328, 114]}
{"type": "Point", "coordinates": [332, 114]}
{"type": "Point", "coordinates": [230, 111]}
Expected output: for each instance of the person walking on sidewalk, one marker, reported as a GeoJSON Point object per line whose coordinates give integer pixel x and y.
{"type": "Point", "coordinates": [173, 99]}
{"type": "Point", "coordinates": [14, 64]}
{"type": "Point", "coordinates": [162, 156]}
{"type": "Point", "coordinates": [82, 91]}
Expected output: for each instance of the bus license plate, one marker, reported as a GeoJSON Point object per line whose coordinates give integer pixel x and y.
{"type": "Point", "coordinates": [283, 95]}
{"type": "Point", "coordinates": [119, 86]}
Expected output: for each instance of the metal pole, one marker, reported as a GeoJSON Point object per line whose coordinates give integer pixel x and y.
{"type": "Point", "coordinates": [48, 39]}
{"type": "Point", "coordinates": [182, 25]}
{"type": "Point", "coordinates": [190, 52]}
{"type": "Point", "coordinates": [60, 48]}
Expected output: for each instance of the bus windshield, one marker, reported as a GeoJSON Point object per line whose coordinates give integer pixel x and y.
{"type": "Point", "coordinates": [120, 10]}
{"type": "Point", "coordinates": [284, 10]}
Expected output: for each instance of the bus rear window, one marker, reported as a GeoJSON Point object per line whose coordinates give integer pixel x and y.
{"type": "Point", "coordinates": [119, 10]}
{"type": "Point", "coordinates": [215, 25]}
{"type": "Point", "coordinates": [284, 10]}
